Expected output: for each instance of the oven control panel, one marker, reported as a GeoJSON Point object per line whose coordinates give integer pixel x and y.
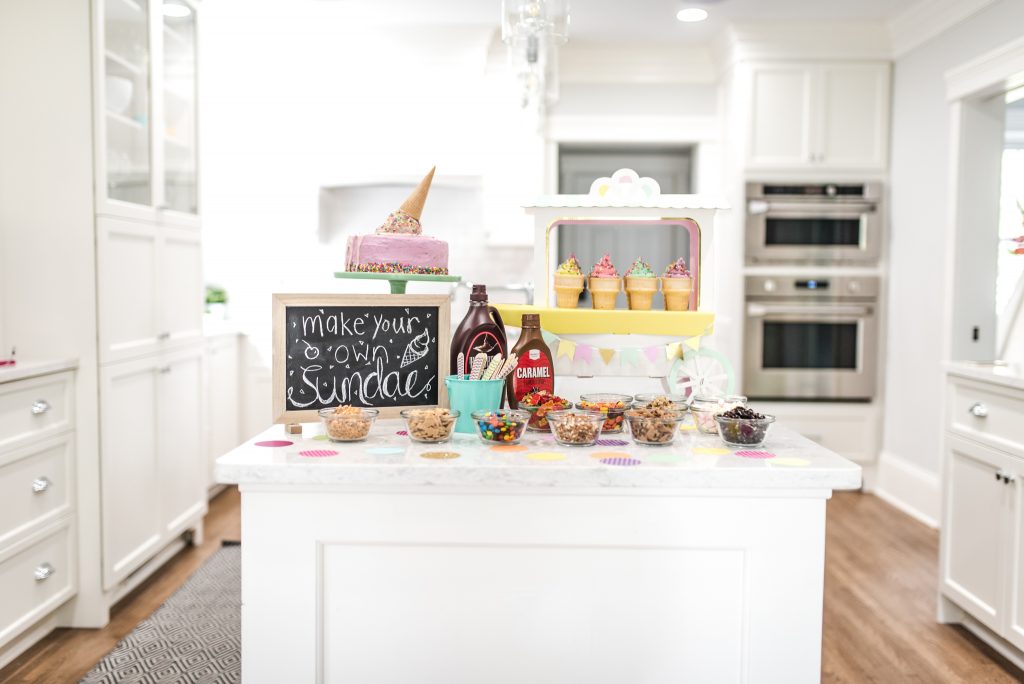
{"type": "Point", "coordinates": [825, 287]}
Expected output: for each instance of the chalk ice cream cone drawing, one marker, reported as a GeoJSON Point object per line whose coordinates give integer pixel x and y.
{"type": "Point", "coordinates": [605, 284]}
{"type": "Point", "coordinates": [641, 285]}
{"type": "Point", "coordinates": [416, 349]}
{"type": "Point", "coordinates": [676, 285]}
{"type": "Point", "coordinates": [568, 283]}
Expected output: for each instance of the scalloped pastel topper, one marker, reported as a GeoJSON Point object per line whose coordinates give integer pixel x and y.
{"type": "Point", "coordinates": [625, 185]}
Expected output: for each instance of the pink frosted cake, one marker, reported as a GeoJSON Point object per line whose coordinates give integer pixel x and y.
{"type": "Point", "coordinates": [399, 245]}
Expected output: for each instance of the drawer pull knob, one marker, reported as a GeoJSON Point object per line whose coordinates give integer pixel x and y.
{"type": "Point", "coordinates": [41, 484]}
{"type": "Point", "coordinates": [44, 572]}
{"type": "Point", "coordinates": [979, 410]}
{"type": "Point", "coordinates": [40, 406]}
{"type": "Point", "coordinates": [164, 336]}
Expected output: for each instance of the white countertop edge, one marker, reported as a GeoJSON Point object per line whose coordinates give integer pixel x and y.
{"type": "Point", "coordinates": [1011, 375]}
{"type": "Point", "coordinates": [31, 369]}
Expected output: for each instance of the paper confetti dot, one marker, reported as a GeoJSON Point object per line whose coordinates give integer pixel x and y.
{"type": "Point", "coordinates": [621, 461]}
{"type": "Point", "coordinates": [663, 458]}
{"type": "Point", "coordinates": [609, 454]}
{"type": "Point", "coordinates": [755, 454]}
{"type": "Point", "coordinates": [275, 443]}
{"type": "Point", "coordinates": [320, 438]}
{"type": "Point", "coordinates": [509, 447]}
{"type": "Point", "coordinates": [791, 461]}
{"type": "Point", "coordinates": [385, 451]}
{"type": "Point", "coordinates": [318, 453]}
{"type": "Point", "coordinates": [711, 451]}
{"type": "Point", "coordinates": [686, 427]}
{"type": "Point", "coordinates": [440, 455]}
{"type": "Point", "coordinates": [402, 433]}
{"type": "Point", "coordinates": [611, 442]}
{"type": "Point", "coordinates": [546, 456]}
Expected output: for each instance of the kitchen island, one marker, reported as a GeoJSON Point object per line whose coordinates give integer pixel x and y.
{"type": "Point", "coordinates": [388, 561]}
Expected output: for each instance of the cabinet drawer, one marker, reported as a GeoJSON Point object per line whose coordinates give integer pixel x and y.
{"type": "Point", "coordinates": [989, 415]}
{"type": "Point", "coordinates": [36, 578]}
{"type": "Point", "coordinates": [34, 487]}
{"type": "Point", "coordinates": [34, 408]}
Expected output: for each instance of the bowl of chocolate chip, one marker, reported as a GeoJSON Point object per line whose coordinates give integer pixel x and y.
{"type": "Point", "coordinates": [430, 425]}
{"type": "Point", "coordinates": [576, 427]}
{"type": "Point", "coordinates": [655, 423]}
{"type": "Point", "coordinates": [743, 427]}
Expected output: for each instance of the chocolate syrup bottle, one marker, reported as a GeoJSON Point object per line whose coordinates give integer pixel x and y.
{"type": "Point", "coordinates": [536, 368]}
{"type": "Point", "coordinates": [480, 332]}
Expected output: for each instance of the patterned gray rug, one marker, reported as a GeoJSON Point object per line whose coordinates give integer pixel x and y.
{"type": "Point", "coordinates": [194, 637]}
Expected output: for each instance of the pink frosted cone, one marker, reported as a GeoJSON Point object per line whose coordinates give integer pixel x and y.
{"type": "Point", "coordinates": [604, 291]}
{"type": "Point", "coordinates": [677, 293]}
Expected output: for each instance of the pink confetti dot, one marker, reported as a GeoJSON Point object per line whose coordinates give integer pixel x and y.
{"type": "Point", "coordinates": [275, 443]}
{"type": "Point", "coordinates": [402, 433]}
{"type": "Point", "coordinates": [318, 453]}
{"type": "Point", "coordinates": [755, 454]}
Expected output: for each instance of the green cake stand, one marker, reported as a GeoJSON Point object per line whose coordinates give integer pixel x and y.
{"type": "Point", "coordinates": [398, 281]}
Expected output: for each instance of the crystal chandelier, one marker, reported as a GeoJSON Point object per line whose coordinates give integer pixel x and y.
{"type": "Point", "coordinates": [533, 30]}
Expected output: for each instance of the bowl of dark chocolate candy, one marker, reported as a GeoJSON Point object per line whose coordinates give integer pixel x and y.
{"type": "Point", "coordinates": [743, 427]}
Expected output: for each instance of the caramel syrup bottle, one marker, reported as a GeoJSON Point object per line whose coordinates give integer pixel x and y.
{"type": "Point", "coordinates": [536, 368]}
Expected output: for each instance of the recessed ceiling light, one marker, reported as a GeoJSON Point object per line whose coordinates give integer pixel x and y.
{"type": "Point", "coordinates": [176, 10]}
{"type": "Point", "coordinates": [692, 14]}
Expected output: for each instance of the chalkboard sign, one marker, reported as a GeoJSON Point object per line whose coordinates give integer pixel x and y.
{"type": "Point", "coordinates": [380, 351]}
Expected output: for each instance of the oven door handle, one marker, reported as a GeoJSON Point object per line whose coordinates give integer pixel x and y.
{"type": "Point", "coordinates": [761, 311]}
{"type": "Point", "coordinates": [811, 208]}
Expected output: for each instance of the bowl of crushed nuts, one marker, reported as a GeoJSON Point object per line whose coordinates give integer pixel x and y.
{"type": "Point", "coordinates": [743, 427]}
{"type": "Point", "coordinates": [681, 401]}
{"type": "Point", "coordinates": [503, 426]}
{"type": "Point", "coordinates": [611, 406]}
{"type": "Point", "coordinates": [576, 427]}
{"type": "Point", "coordinates": [347, 423]}
{"type": "Point", "coordinates": [430, 425]}
{"type": "Point", "coordinates": [656, 423]}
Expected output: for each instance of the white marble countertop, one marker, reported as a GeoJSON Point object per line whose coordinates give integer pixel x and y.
{"type": "Point", "coordinates": [1005, 374]}
{"type": "Point", "coordinates": [31, 369]}
{"type": "Point", "coordinates": [386, 458]}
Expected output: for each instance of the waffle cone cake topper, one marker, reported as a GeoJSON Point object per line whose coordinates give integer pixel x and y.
{"type": "Point", "coordinates": [413, 205]}
{"type": "Point", "coordinates": [407, 219]}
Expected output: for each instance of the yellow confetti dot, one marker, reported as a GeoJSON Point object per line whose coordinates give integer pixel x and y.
{"type": "Point", "coordinates": [711, 451]}
{"type": "Point", "coordinates": [790, 462]}
{"type": "Point", "coordinates": [609, 454]}
{"type": "Point", "coordinates": [440, 454]}
{"type": "Point", "coordinates": [546, 456]}
{"type": "Point", "coordinates": [686, 427]}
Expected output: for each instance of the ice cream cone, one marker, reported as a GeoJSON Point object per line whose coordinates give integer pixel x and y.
{"type": "Point", "coordinates": [567, 290]}
{"type": "Point", "coordinates": [413, 204]}
{"type": "Point", "coordinates": [640, 291]}
{"type": "Point", "coordinates": [604, 290]}
{"type": "Point", "coordinates": [677, 293]}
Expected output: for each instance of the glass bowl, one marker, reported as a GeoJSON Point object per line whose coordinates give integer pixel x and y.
{"type": "Point", "coordinates": [539, 414]}
{"type": "Point", "coordinates": [576, 427]}
{"type": "Point", "coordinates": [347, 423]}
{"type": "Point", "coordinates": [679, 400]}
{"type": "Point", "coordinates": [744, 432]}
{"type": "Point", "coordinates": [612, 406]}
{"type": "Point", "coordinates": [502, 426]}
{"type": "Point", "coordinates": [430, 425]}
{"type": "Point", "coordinates": [654, 431]}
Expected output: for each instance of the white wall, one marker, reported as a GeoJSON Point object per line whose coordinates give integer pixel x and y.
{"type": "Point", "coordinates": [909, 466]}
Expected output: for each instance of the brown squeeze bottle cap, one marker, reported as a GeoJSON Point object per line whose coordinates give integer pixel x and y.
{"type": "Point", "coordinates": [531, 320]}
{"type": "Point", "coordinates": [479, 293]}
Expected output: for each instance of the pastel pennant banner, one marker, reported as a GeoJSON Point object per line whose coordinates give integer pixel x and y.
{"type": "Point", "coordinates": [653, 353]}
{"type": "Point", "coordinates": [629, 356]}
{"type": "Point", "coordinates": [693, 342]}
{"type": "Point", "coordinates": [585, 352]}
{"type": "Point", "coordinates": [673, 351]}
{"type": "Point", "coordinates": [566, 348]}
{"type": "Point", "coordinates": [606, 355]}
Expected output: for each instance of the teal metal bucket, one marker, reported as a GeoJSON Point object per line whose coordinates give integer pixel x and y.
{"type": "Point", "coordinates": [466, 396]}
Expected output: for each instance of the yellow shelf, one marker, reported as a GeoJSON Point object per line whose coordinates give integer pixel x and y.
{"type": "Point", "coordinates": [618, 321]}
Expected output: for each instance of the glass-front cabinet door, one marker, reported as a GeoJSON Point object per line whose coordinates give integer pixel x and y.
{"type": "Point", "coordinates": [146, 110]}
{"type": "Point", "coordinates": [180, 188]}
{"type": "Point", "coordinates": [126, 102]}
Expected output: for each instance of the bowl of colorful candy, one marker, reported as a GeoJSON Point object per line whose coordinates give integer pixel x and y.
{"type": "Point", "coordinates": [502, 426]}
{"type": "Point", "coordinates": [576, 427]}
{"type": "Point", "coordinates": [612, 406]}
{"type": "Point", "coordinates": [656, 423]}
{"type": "Point", "coordinates": [539, 403]}
{"type": "Point", "coordinates": [743, 427]}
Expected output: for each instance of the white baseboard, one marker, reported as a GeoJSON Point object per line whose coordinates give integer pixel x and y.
{"type": "Point", "coordinates": [908, 487]}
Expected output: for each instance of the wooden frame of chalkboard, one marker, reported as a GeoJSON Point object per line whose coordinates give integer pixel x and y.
{"type": "Point", "coordinates": [386, 352]}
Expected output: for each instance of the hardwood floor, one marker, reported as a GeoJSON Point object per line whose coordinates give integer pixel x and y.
{"type": "Point", "coordinates": [880, 589]}
{"type": "Point", "coordinates": [67, 654]}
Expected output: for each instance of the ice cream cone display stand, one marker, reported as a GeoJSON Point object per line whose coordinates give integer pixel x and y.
{"type": "Point", "coordinates": [439, 508]}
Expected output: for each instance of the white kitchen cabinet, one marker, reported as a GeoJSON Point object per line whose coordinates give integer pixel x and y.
{"type": "Point", "coordinates": [222, 398]}
{"type": "Point", "coordinates": [150, 287]}
{"type": "Point", "coordinates": [814, 115]}
{"type": "Point", "coordinates": [145, 111]}
{"type": "Point", "coordinates": [154, 484]}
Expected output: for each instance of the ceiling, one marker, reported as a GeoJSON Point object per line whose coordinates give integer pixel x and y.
{"type": "Point", "coordinates": [636, 20]}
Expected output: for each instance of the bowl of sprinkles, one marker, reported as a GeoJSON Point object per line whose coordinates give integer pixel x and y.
{"type": "Point", "coordinates": [504, 426]}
